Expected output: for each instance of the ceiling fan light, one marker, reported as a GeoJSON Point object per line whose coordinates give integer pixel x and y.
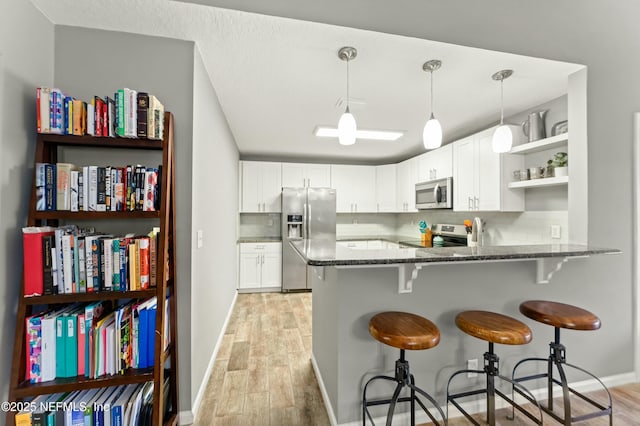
{"type": "Point", "coordinates": [502, 139]}
{"type": "Point", "coordinates": [347, 129]}
{"type": "Point", "coordinates": [432, 134]}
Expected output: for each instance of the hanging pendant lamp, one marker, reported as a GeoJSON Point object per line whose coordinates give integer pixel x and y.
{"type": "Point", "coordinates": [502, 137]}
{"type": "Point", "coordinates": [432, 132]}
{"type": "Point", "coordinates": [347, 125]}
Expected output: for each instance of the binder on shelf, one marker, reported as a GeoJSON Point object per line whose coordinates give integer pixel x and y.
{"type": "Point", "coordinates": [33, 270]}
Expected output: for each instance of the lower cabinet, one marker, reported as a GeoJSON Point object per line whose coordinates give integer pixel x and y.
{"type": "Point", "coordinates": [260, 265]}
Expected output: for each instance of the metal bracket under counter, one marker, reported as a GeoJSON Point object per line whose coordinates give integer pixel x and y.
{"type": "Point", "coordinates": [407, 273]}
{"type": "Point", "coordinates": [548, 266]}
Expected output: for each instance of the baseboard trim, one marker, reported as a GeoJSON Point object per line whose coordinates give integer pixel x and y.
{"type": "Point", "coordinates": [189, 416]}
{"type": "Point", "coordinates": [471, 407]}
{"type": "Point", "coordinates": [323, 392]}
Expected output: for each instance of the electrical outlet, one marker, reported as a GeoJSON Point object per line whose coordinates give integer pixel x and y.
{"type": "Point", "coordinates": [472, 364]}
{"type": "Point", "coordinates": [555, 231]}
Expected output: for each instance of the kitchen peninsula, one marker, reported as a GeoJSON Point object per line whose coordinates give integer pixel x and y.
{"type": "Point", "coordinates": [350, 286]}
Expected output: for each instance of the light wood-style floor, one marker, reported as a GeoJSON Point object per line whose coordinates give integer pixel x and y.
{"type": "Point", "coordinates": [263, 373]}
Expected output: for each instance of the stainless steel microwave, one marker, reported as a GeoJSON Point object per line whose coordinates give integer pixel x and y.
{"type": "Point", "coordinates": [434, 194]}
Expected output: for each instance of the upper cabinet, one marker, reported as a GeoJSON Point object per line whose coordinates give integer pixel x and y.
{"type": "Point", "coordinates": [481, 176]}
{"type": "Point", "coordinates": [386, 188]}
{"type": "Point", "coordinates": [261, 187]}
{"type": "Point", "coordinates": [436, 164]}
{"type": "Point", "coordinates": [407, 177]}
{"type": "Point", "coordinates": [355, 188]}
{"type": "Point", "coordinates": [302, 175]}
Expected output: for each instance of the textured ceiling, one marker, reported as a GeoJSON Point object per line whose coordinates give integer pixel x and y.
{"type": "Point", "coordinates": [278, 78]}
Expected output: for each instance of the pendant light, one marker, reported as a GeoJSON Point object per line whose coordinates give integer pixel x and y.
{"type": "Point", "coordinates": [347, 125]}
{"type": "Point", "coordinates": [432, 132]}
{"type": "Point", "coordinates": [502, 136]}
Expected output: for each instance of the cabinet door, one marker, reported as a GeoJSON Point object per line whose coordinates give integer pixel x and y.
{"type": "Point", "coordinates": [407, 177]}
{"type": "Point", "coordinates": [364, 189]}
{"type": "Point", "coordinates": [318, 175]}
{"type": "Point", "coordinates": [272, 269]}
{"type": "Point", "coordinates": [464, 160]}
{"type": "Point", "coordinates": [341, 181]}
{"type": "Point", "coordinates": [442, 162]}
{"type": "Point", "coordinates": [250, 267]}
{"type": "Point", "coordinates": [251, 187]}
{"type": "Point", "coordinates": [488, 173]}
{"type": "Point", "coordinates": [386, 188]}
{"type": "Point", "coordinates": [425, 166]}
{"type": "Point", "coordinates": [293, 175]}
{"type": "Point", "coordinates": [271, 179]}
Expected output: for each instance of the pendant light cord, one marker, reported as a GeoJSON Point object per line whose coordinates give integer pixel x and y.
{"type": "Point", "coordinates": [501, 101]}
{"type": "Point", "coordinates": [431, 93]}
{"type": "Point", "coordinates": [347, 85]}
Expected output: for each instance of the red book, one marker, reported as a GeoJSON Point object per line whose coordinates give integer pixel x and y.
{"type": "Point", "coordinates": [33, 259]}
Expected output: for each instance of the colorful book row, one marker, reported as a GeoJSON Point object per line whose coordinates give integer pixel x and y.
{"type": "Point", "coordinates": [110, 406]}
{"type": "Point", "coordinates": [128, 114]}
{"type": "Point", "coordinates": [91, 340]}
{"type": "Point", "coordinates": [68, 260]}
{"type": "Point", "coordinates": [65, 187]}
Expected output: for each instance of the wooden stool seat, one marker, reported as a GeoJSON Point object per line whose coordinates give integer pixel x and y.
{"type": "Point", "coordinates": [403, 330]}
{"type": "Point", "coordinates": [560, 315]}
{"type": "Point", "coordinates": [493, 327]}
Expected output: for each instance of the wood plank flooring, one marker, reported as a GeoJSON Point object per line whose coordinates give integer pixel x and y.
{"type": "Point", "coordinates": [263, 375]}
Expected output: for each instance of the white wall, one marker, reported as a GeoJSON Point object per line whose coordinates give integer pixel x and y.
{"type": "Point", "coordinates": [215, 185]}
{"type": "Point", "coordinates": [26, 61]}
{"type": "Point", "coordinates": [94, 62]}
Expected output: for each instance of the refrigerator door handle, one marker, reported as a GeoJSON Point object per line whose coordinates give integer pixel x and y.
{"type": "Point", "coordinates": [309, 219]}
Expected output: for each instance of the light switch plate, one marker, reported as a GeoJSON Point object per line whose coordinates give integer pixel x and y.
{"type": "Point", "coordinates": [200, 238]}
{"type": "Point", "coordinates": [555, 231]}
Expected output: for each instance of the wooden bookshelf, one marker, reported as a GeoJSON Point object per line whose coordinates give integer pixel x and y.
{"type": "Point", "coordinates": [47, 152]}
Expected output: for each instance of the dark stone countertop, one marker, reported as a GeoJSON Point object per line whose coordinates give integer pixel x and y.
{"type": "Point", "coordinates": [259, 240]}
{"type": "Point", "coordinates": [328, 253]}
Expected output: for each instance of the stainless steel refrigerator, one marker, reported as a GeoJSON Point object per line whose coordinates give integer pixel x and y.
{"type": "Point", "coordinates": [307, 213]}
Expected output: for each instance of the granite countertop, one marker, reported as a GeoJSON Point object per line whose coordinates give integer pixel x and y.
{"type": "Point", "coordinates": [389, 238]}
{"type": "Point", "coordinates": [328, 253]}
{"type": "Point", "coordinates": [259, 240]}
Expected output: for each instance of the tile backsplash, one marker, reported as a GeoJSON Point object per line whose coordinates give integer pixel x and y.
{"type": "Point", "coordinates": [501, 228]}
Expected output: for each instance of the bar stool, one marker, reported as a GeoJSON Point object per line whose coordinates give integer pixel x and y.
{"type": "Point", "coordinates": [404, 331]}
{"type": "Point", "coordinates": [560, 315]}
{"type": "Point", "coordinates": [493, 328]}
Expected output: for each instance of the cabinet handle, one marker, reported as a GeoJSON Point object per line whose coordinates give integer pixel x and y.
{"type": "Point", "coordinates": [476, 201]}
{"type": "Point", "coordinates": [356, 204]}
{"type": "Point", "coordinates": [378, 207]}
{"type": "Point", "coordinates": [262, 259]}
{"type": "Point", "coordinates": [470, 203]}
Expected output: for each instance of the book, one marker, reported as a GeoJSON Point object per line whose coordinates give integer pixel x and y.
{"type": "Point", "coordinates": [48, 327]}
{"type": "Point", "coordinates": [142, 109]}
{"type": "Point", "coordinates": [151, 181]}
{"type": "Point", "coordinates": [43, 115]}
{"type": "Point", "coordinates": [91, 120]}
{"type": "Point", "coordinates": [50, 184]}
{"type": "Point", "coordinates": [111, 117]}
{"type": "Point", "coordinates": [143, 253]}
{"type": "Point", "coordinates": [47, 265]}
{"type": "Point", "coordinates": [34, 349]}
{"type": "Point", "coordinates": [40, 172]}
{"type": "Point", "coordinates": [33, 264]}
{"type": "Point", "coordinates": [63, 185]}
{"type": "Point", "coordinates": [153, 256]}
{"type": "Point", "coordinates": [74, 191]}
{"type": "Point", "coordinates": [120, 108]}
{"type": "Point", "coordinates": [101, 190]}
{"type": "Point", "coordinates": [68, 115]}
{"type": "Point", "coordinates": [92, 190]}
{"type": "Point", "coordinates": [81, 343]}
{"type": "Point", "coordinates": [79, 117]}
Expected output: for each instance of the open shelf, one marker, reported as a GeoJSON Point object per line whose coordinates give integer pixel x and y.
{"type": "Point", "coordinates": [102, 142]}
{"type": "Point", "coordinates": [89, 297]}
{"type": "Point", "coordinates": [536, 183]}
{"type": "Point", "coordinates": [541, 145]}
{"type": "Point", "coordinates": [58, 214]}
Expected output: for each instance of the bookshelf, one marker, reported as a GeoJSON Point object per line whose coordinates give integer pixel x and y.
{"type": "Point", "coordinates": [165, 360]}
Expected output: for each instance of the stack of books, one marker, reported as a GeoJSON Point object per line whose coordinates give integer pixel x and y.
{"type": "Point", "coordinates": [115, 405]}
{"type": "Point", "coordinates": [63, 186]}
{"type": "Point", "coordinates": [126, 114]}
{"type": "Point", "coordinates": [68, 259]}
{"type": "Point", "coordinates": [91, 340]}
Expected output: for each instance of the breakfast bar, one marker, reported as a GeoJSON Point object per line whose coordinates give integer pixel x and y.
{"type": "Point", "coordinates": [352, 285]}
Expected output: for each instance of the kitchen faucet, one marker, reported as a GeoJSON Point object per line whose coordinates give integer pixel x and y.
{"type": "Point", "coordinates": [477, 228]}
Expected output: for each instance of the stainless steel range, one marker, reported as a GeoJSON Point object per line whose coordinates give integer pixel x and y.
{"type": "Point", "coordinates": [452, 236]}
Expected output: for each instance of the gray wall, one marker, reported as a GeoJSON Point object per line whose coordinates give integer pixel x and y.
{"type": "Point", "coordinates": [555, 30]}
{"type": "Point", "coordinates": [94, 62]}
{"type": "Point", "coordinates": [215, 181]}
{"type": "Point", "coordinates": [26, 61]}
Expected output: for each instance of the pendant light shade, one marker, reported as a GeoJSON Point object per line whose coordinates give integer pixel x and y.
{"type": "Point", "coordinates": [432, 132]}
{"type": "Point", "coordinates": [347, 124]}
{"type": "Point", "coordinates": [502, 137]}
{"type": "Point", "coordinates": [347, 128]}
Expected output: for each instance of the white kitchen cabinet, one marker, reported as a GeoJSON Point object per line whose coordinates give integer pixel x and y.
{"type": "Point", "coordinates": [355, 244]}
{"type": "Point", "coordinates": [260, 265]}
{"type": "Point", "coordinates": [386, 188]}
{"type": "Point", "coordinates": [306, 175]}
{"type": "Point", "coordinates": [481, 177]}
{"type": "Point", "coordinates": [355, 188]}
{"type": "Point", "coordinates": [407, 177]}
{"type": "Point", "coordinates": [435, 164]}
{"type": "Point", "coordinates": [261, 187]}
